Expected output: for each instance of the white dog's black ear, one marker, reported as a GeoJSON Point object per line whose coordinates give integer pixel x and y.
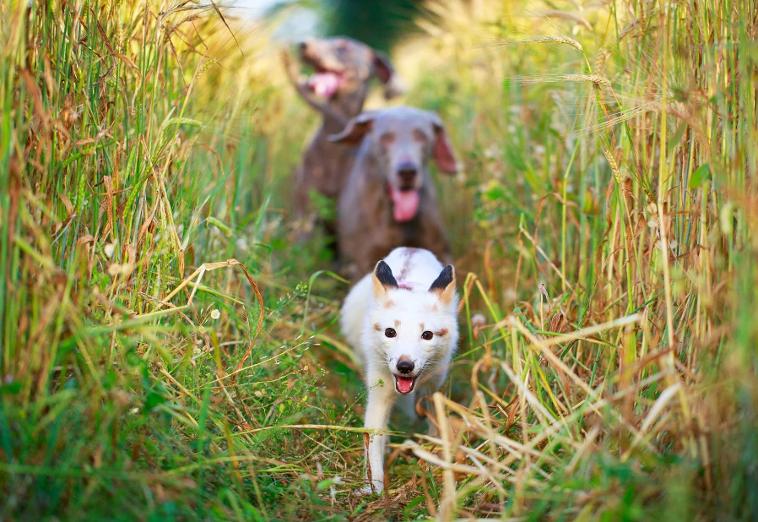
{"type": "Point", "coordinates": [444, 285]}
{"type": "Point", "coordinates": [383, 278]}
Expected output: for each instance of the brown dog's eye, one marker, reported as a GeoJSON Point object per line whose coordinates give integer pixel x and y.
{"type": "Point", "coordinates": [342, 52]}
{"type": "Point", "coordinates": [419, 136]}
{"type": "Point", "coordinates": [427, 335]}
{"type": "Point", "coordinates": [390, 332]}
{"type": "Point", "coordinates": [387, 139]}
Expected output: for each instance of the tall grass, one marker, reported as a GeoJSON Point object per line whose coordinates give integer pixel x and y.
{"type": "Point", "coordinates": [119, 393]}
{"type": "Point", "coordinates": [605, 219]}
{"type": "Point", "coordinates": [636, 142]}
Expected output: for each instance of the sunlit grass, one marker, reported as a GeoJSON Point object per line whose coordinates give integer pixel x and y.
{"type": "Point", "coordinates": [605, 220]}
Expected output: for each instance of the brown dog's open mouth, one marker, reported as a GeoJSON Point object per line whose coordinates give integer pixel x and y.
{"type": "Point", "coordinates": [324, 81]}
{"type": "Point", "coordinates": [404, 204]}
{"type": "Point", "coordinates": [404, 385]}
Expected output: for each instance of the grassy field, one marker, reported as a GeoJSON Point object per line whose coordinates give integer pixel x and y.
{"type": "Point", "coordinates": [167, 352]}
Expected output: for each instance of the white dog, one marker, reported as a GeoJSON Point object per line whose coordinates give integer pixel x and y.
{"type": "Point", "coordinates": [401, 320]}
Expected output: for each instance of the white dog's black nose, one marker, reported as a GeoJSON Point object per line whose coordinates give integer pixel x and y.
{"type": "Point", "coordinates": [405, 366]}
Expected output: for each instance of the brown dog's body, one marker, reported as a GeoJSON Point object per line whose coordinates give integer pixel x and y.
{"type": "Point", "coordinates": [338, 89]}
{"type": "Point", "coordinates": [389, 199]}
{"type": "Point", "coordinates": [323, 169]}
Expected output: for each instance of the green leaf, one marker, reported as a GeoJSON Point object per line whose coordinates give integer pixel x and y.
{"type": "Point", "coordinates": [411, 507]}
{"type": "Point", "coordinates": [153, 399]}
{"type": "Point", "coordinates": [324, 484]}
{"type": "Point", "coordinates": [494, 191]}
{"type": "Point", "coordinates": [702, 173]}
{"type": "Point", "coordinates": [183, 121]}
{"type": "Point", "coordinates": [11, 388]}
{"type": "Point", "coordinates": [223, 227]}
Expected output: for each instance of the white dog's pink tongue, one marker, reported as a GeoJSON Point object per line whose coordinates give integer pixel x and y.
{"type": "Point", "coordinates": [324, 84]}
{"type": "Point", "coordinates": [404, 384]}
{"type": "Point", "coordinates": [405, 204]}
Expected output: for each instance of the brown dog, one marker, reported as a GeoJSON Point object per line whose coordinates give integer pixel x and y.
{"type": "Point", "coordinates": [338, 88]}
{"type": "Point", "coordinates": [389, 199]}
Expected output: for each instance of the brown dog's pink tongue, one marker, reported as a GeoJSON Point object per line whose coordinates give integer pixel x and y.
{"type": "Point", "coordinates": [404, 384]}
{"type": "Point", "coordinates": [405, 204]}
{"type": "Point", "coordinates": [324, 84]}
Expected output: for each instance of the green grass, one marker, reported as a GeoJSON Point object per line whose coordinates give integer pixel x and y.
{"type": "Point", "coordinates": [604, 227]}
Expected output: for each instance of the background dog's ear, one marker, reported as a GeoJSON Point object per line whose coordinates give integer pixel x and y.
{"type": "Point", "coordinates": [442, 152]}
{"type": "Point", "coordinates": [383, 278]}
{"type": "Point", "coordinates": [444, 285]}
{"type": "Point", "coordinates": [386, 73]}
{"type": "Point", "coordinates": [355, 129]}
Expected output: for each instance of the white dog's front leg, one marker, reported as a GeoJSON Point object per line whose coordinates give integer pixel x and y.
{"type": "Point", "coordinates": [381, 397]}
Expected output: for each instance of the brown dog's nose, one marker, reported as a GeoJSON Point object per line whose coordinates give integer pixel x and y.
{"type": "Point", "coordinates": [407, 173]}
{"type": "Point", "coordinates": [405, 366]}
{"type": "Point", "coordinates": [303, 46]}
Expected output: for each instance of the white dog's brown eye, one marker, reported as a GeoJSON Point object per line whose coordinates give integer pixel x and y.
{"type": "Point", "coordinates": [427, 335]}
{"type": "Point", "coordinates": [390, 332]}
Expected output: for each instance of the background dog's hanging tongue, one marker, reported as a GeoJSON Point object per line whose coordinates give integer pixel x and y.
{"type": "Point", "coordinates": [324, 84]}
{"type": "Point", "coordinates": [404, 204]}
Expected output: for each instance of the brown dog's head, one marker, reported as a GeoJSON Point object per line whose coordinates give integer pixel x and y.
{"type": "Point", "coordinates": [400, 140]}
{"type": "Point", "coordinates": [343, 68]}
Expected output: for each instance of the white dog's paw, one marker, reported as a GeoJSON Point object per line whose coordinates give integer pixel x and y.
{"type": "Point", "coordinates": [367, 489]}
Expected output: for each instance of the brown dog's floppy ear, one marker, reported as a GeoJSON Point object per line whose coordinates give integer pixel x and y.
{"type": "Point", "coordinates": [444, 285]}
{"type": "Point", "coordinates": [386, 73]}
{"type": "Point", "coordinates": [382, 278]}
{"type": "Point", "coordinates": [355, 129]}
{"type": "Point", "coordinates": [442, 152]}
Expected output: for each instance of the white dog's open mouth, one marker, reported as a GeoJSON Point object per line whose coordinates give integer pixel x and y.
{"type": "Point", "coordinates": [403, 384]}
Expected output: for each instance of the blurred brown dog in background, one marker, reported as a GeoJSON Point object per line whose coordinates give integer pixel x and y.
{"type": "Point", "coordinates": [389, 199]}
{"type": "Point", "coordinates": [343, 69]}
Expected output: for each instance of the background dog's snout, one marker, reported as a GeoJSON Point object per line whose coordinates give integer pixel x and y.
{"type": "Point", "coordinates": [303, 46]}
{"type": "Point", "coordinates": [405, 366]}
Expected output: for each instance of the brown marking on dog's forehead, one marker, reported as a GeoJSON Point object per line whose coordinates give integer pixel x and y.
{"type": "Point", "coordinates": [397, 323]}
{"type": "Point", "coordinates": [441, 332]}
{"type": "Point", "coordinates": [377, 327]}
{"type": "Point", "coordinates": [409, 253]}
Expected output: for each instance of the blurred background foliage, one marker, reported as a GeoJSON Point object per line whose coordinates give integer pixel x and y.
{"type": "Point", "coordinates": [380, 24]}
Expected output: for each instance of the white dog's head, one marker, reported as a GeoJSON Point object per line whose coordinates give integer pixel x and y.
{"type": "Point", "coordinates": [413, 330]}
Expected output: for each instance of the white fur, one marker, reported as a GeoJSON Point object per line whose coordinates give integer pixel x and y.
{"type": "Point", "coordinates": [370, 309]}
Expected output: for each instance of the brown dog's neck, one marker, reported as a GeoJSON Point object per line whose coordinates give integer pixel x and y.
{"type": "Point", "coordinates": [332, 123]}
{"type": "Point", "coordinates": [342, 110]}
